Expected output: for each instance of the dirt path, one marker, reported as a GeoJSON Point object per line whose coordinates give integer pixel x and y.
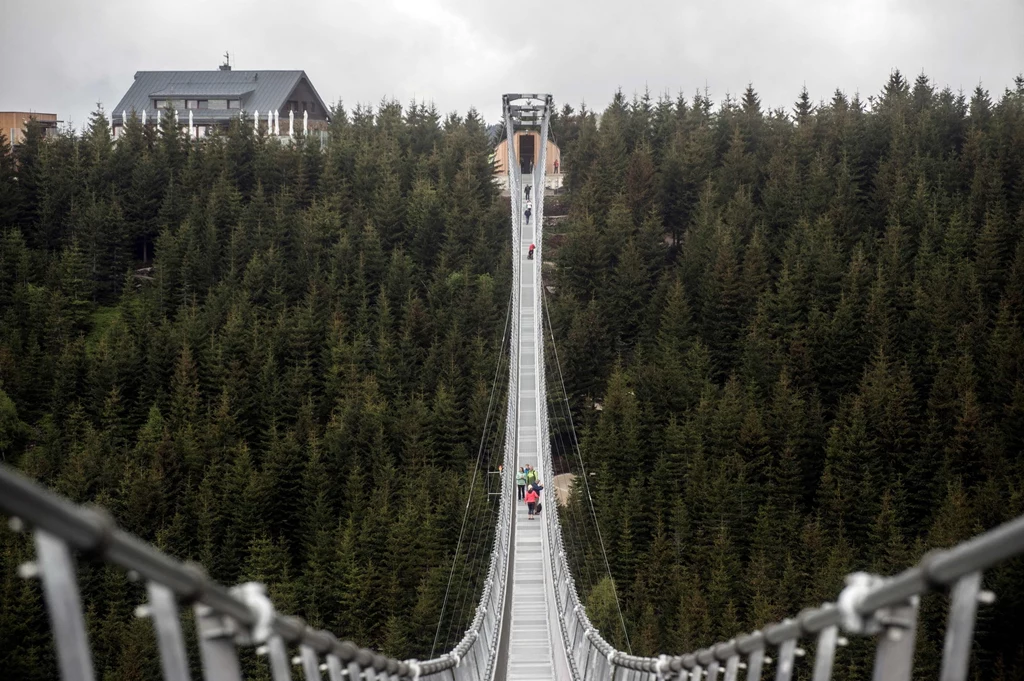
{"type": "Point", "coordinates": [563, 483]}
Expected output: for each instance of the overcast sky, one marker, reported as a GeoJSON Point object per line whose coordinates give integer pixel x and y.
{"type": "Point", "coordinates": [64, 56]}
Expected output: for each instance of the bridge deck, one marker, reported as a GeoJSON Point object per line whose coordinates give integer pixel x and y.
{"type": "Point", "coordinates": [535, 647]}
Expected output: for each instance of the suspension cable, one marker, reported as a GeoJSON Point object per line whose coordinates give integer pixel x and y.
{"type": "Point", "coordinates": [481, 519]}
{"type": "Point", "coordinates": [583, 470]}
{"type": "Point", "coordinates": [476, 471]}
{"type": "Point", "coordinates": [572, 510]}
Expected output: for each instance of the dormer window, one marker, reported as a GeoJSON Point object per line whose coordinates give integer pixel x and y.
{"type": "Point", "coordinates": [234, 104]}
{"type": "Point", "coordinates": [196, 104]}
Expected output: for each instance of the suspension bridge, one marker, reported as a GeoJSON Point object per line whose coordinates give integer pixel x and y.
{"type": "Point", "coordinates": [529, 624]}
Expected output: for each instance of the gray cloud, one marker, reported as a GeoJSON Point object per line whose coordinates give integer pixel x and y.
{"type": "Point", "coordinates": [66, 55]}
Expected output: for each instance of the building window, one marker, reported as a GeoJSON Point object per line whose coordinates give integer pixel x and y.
{"type": "Point", "coordinates": [196, 104]}
{"type": "Point", "coordinates": [160, 103]}
{"type": "Point", "coordinates": [234, 103]}
{"type": "Point", "coordinates": [292, 106]}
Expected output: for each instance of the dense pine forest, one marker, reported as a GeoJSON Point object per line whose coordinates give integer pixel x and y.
{"type": "Point", "coordinates": [273, 359]}
{"type": "Point", "coordinates": [793, 344]}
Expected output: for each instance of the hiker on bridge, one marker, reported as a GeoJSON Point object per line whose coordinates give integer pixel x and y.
{"type": "Point", "coordinates": [521, 483]}
{"type": "Point", "coordinates": [537, 488]}
{"type": "Point", "coordinates": [531, 502]}
{"type": "Point", "coordinates": [528, 188]}
{"type": "Point", "coordinates": [529, 255]}
{"type": "Point", "coordinates": [529, 209]}
{"type": "Point", "coordinates": [531, 475]}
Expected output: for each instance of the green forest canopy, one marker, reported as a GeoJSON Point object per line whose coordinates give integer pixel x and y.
{"type": "Point", "coordinates": [294, 393]}
{"type": "Point", "coordinates": [794, 341]}
{"type": "Point", "coordinates": [803, 330]}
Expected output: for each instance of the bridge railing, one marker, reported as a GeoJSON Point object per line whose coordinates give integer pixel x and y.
{"type": "Point", "coordinates": [869, 606]}
{"type": "Point", "coordinates": [228, 621]}
{"type": "Point", "coordinates": [233, 622]}
{"type": "Point", "coordinates": [475, 656]}
{"type": "Point", "coordinates": [883, 608]}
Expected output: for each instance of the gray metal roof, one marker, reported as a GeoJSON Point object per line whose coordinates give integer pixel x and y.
{"type": "Point", "coordinates": [259, 90]}
{"type": "Point", "coordinates": [204, 90]}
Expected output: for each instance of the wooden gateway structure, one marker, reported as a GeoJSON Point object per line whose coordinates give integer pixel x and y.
{"type": "Point", "coordinates": [528, 151]}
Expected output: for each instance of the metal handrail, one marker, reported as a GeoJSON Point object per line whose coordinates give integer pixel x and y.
{"type": "Point", "coordinates": [243, 616]}
{"type": "Point", "coordinates": [59, 526]}
{"type": "Point", "coordinates": [872, 605]}
{"type": "Point", "coordinates": [869, 606]}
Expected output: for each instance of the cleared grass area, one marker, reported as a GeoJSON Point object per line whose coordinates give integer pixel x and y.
{"type": "Point", "coordinates": [99, 322]}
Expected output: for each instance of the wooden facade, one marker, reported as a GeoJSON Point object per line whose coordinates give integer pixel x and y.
{"type": "Point", "coordinates": [528, 149]}
{"type": "Point", "coordinates": [12, 124]}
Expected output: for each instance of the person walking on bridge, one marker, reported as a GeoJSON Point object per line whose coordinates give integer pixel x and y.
{"type": "Point", "coordinates": [528, 188]}
{"type": "Point", "coordinates": [531, 502]}
{"type": "Point", "coordinates": [531, 475]}
{"type": "Point", "coordinates": [521, 483]}
{"type": "Point", "coordinates": [529, 255]}
{"type": "Point", "coordinates": [537, 488]}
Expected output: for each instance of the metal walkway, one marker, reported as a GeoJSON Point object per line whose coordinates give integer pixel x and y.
{"type": "Point", "coordinates": [535, 648]}
{"type": "Point", "coordinates": [530, 650]}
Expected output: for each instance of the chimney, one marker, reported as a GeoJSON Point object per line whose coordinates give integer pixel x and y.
{"type": "Point", "coordinates": [226, 66]}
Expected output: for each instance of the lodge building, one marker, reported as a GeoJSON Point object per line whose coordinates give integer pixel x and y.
{"type": "Point", "coordinates": [205, 100]}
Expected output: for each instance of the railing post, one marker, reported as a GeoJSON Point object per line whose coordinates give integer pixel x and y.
{"type": "Point", "coordinates": [732, 667]}
{"type": "Point", "coordinates": [277, 658]}
{"type": "Point", "coordinates": [754, 663]}
{"type": "Point", "coordinates": [963, 607]}
{"type": "Point", "coordinates": [784, 667]}
{"type": "Point", "coordinates": [825, 653]}
{"type": "Point", "coordinates": [56, 567]}
{"type": "Point", "coordinates": [163, 609]}
{"type": "Point", "coordinates": [310, 663]}
{"type": "Point", "coordinates": [894, 658]}
{"type": "Point", "coordinates": [216, 645]}
{"type": "Point", "coordinates": [591, 665]}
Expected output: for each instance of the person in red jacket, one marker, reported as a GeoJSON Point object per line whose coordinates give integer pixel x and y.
{"type": "Point", "coordinates": [531, 502]}
{"type": "Point", "coordinates": [529, 256]}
